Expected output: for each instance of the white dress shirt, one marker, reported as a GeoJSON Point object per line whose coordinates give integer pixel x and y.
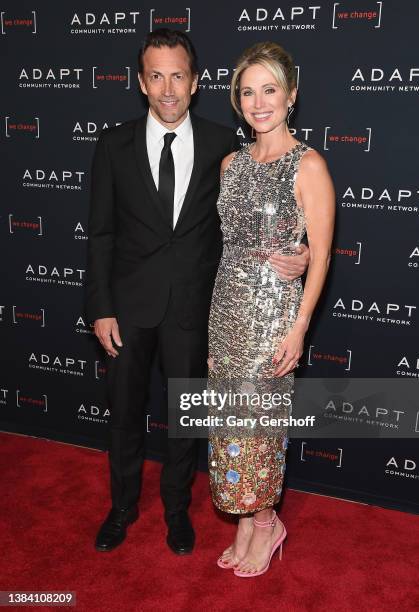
{"type": "Point", "coordinates": [183, 156]}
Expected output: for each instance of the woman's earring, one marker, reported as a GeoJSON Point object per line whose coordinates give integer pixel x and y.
{"type": "Point", "coordinates": [290, 111]}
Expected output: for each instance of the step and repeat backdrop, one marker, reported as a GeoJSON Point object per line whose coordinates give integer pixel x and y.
{"type": "Point", "coordinates": [69, 70]}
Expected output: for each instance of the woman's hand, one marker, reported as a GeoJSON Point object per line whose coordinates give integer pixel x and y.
{"type": "Point", "coordinates": [289, 352]}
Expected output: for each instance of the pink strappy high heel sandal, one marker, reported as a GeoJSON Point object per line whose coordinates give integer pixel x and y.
{"type": "Point", "coordinates": [277, 544]}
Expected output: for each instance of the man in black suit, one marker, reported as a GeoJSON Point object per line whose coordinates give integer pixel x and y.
{"type": "Point", "coordinates": [154, 249]}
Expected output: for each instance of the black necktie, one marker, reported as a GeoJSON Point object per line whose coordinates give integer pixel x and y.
{"type": "Point", "coordinates": [167, 175]}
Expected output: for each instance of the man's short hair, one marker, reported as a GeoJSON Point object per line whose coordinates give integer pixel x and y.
{"type": "Point", "coordinates": [163, 37]}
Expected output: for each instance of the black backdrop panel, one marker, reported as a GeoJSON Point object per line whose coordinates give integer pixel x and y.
{"type": "Point", "coordinates": [68, 71]}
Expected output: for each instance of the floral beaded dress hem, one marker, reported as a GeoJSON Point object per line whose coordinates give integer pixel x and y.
{"type": "Point", "coordinates": [252, 497]}
{"type": "Point", "coordinates": [252, 311]}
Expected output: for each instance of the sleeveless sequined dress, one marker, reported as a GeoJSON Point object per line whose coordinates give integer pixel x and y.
{"type": "Point", "coordinates": [252, 310]}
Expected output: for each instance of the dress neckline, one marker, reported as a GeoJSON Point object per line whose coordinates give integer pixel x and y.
{"type": "Point", "coordinates": [273, 161]}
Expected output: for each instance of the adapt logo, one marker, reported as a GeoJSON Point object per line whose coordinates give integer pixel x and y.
{"type": "Point", "coordinates": [408, 367]}
{"type": "Point", "coordinates": [116, 23]}
{"type": "Point", "coordinates": [219, 78]}
{"type": "Point", "coordinates": [372, 311]}
{"type": "Point", "coordinates": [93, 413]}
{"type": "Point", "coordinates": [55, 275]}
{"type": "Point", "coordinates": [402, 467]}
{"type": "Point", "coordinates": [57, 364]}
{"type": "Point", "coordinates": [266, 19]}
{"type": "Point", "coordinates": [363, 413]}
{"type": "Point", "coordinates": [380, 80]}
{"type": "Point", "coordinates": [50, 78]}
{"type": "Point", "coordinates": [215, 79]}
{"type": "Point", "coordinates": [82, 327]}
{"type": "Point", "coordinates": [89, 131]}
{"type": "Point", "coordinates": [79, 232]}
{"type": "Point", "coordinates": [401, 200]}
{"type": "Point", "coordinates": [72, 78]}
{"type": "Point", "coordinates": [64, 180]}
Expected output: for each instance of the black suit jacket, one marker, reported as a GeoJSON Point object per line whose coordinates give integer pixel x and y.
{"type": "Point", "coordinates": [135, 258]}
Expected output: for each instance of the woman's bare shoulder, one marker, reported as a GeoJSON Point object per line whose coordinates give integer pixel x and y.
{"type": "Point", "coordinates": [312, 161]}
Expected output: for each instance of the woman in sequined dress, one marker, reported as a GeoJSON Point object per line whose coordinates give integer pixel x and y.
{"type": "Point", "coordinates": [272, 193]}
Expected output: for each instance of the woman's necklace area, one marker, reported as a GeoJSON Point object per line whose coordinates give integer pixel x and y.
{"type": "Point", "coordinates": [271, 158]}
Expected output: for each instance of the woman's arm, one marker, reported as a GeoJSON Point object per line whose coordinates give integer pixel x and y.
{"type": "Point", "coordinates": [226, 162]}
{"type": "Point", "coordinates": [315, 192]}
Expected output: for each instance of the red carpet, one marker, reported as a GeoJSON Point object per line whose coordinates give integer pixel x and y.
{"type": "Point", "coordinates": [339, 556]}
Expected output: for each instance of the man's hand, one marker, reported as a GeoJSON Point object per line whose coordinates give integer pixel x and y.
{"type": "Point", "coordinates": [290, 267]}
{"type": "Point", "coordinates": [106, 330]}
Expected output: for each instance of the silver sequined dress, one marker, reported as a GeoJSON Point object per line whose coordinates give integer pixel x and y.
{"type": "Point", "coordinates": [252, 309]}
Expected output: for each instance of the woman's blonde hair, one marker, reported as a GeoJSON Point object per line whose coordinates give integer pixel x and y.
{"type": "Point", "coordinates": [272, 57]}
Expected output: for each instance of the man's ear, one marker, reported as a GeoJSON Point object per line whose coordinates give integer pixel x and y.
{"type": "Point", "coordinates": [194, 85]}
{"type": "Point", "coordinates": [142, 84]}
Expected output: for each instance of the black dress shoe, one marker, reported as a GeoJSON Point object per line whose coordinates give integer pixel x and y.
{"type": "Point", "coordinates": [180, 536]}
{"type": "Point", "coordinates": [114, 530]}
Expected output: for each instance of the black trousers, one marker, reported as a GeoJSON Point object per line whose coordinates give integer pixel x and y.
{"type": "Point", "coordinates": [182, 354]}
